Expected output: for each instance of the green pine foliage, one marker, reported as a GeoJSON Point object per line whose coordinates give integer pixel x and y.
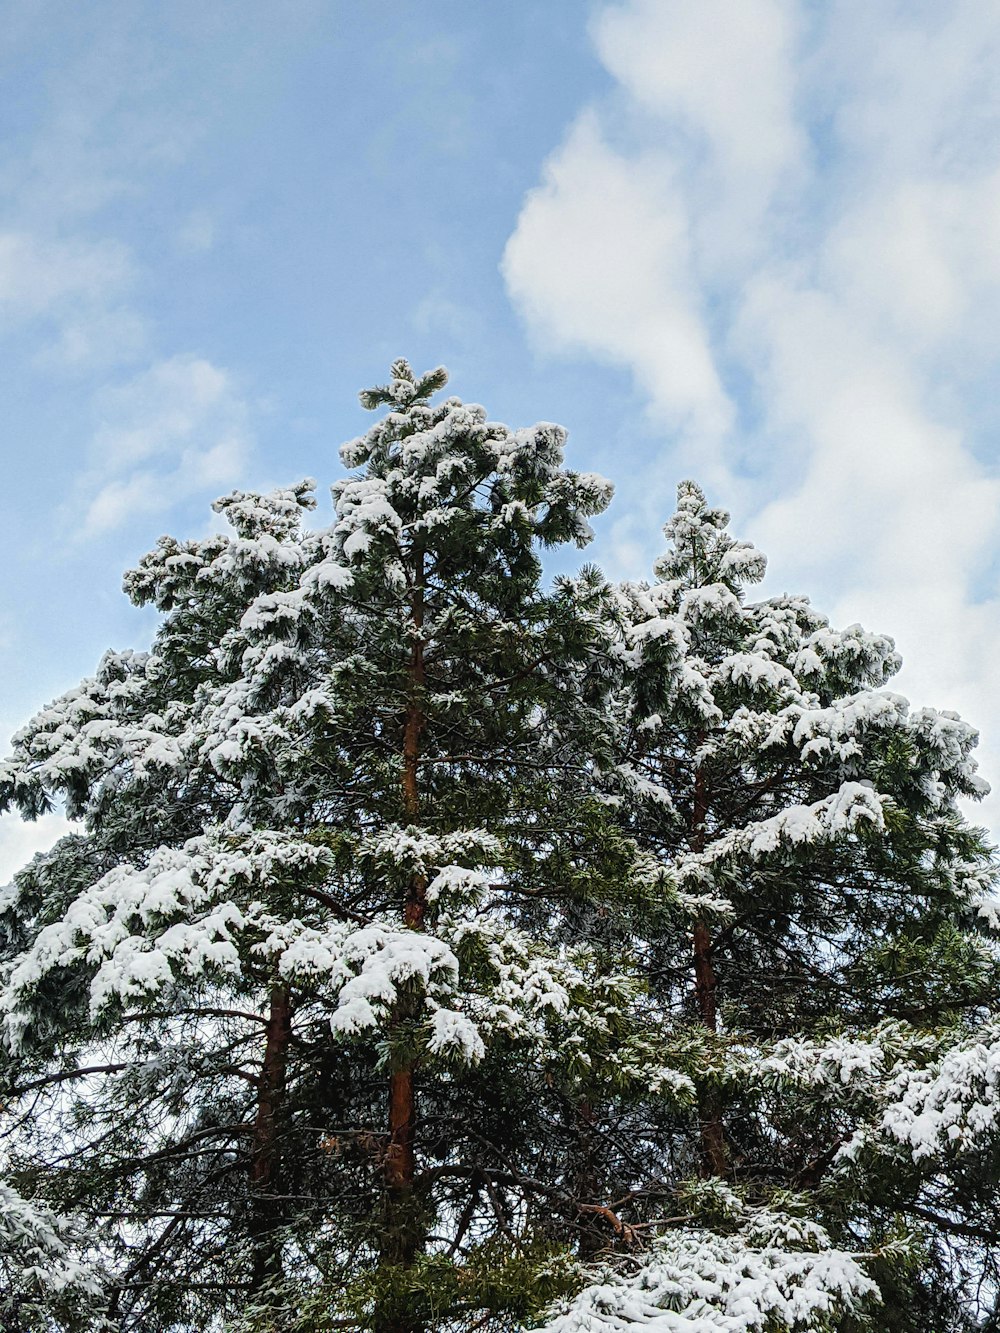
{"type": "Point", "coordinates": [828, 950]}
{"type": "Point", "coordinates": [445, 949]}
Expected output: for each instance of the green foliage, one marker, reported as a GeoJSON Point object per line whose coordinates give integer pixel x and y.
{"type": "Point", "coordinates": [496, 1287]}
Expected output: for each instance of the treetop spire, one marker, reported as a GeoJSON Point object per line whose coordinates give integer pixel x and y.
{"type": "Point", "coordinates": [702, 550]}
{"type": "Point", "coordinates": [404, 388]}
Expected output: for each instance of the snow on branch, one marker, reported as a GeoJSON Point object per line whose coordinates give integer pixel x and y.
{"type": "Point", "coordinates": [775, 1272]}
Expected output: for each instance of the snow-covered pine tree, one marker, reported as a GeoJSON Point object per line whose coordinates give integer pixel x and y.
{"type": "Point", "coordinates": [281, 1022]}
{"type": "Point", "coordinates": [817, 937]}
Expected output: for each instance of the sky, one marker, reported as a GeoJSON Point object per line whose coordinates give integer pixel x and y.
{"type": "Point", "coordinates": [756, 242]}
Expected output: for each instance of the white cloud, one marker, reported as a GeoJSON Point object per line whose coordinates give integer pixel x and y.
{"type": "Point", "coordinates": [72, 294]}
{"type": "Point", "coordinates": [720, 76]}
{"type": "Point", "coordinates": [808, 199]}
{"type": "Point", "coordinates": [172, 431]}
{"type": "Point", "coordinates": [39, 276]}
{"type": "Point", "coordinates": [98, 339]}
{"type": "Point", "coordinates": [601, 263]}
{"type": "Point", "coordinates": [176, 428]}
{"type": "Point", "coordinates": [104, 128]}
{"type": "Point", "coordinates": [436, 314]}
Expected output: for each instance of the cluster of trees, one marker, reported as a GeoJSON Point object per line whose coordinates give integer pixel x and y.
{"type": "Point", "coordinates": [446, 950]}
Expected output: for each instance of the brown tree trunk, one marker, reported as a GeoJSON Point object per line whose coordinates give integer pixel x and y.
{"type": "Point", "coordinates": [265, 1154]}
{"type": "Point", "coordinates": [713, 1139]}
{"type": "Point", "coordinates": [591, 1241]}
{"type": "Point", "coordinates": [402, 1230]}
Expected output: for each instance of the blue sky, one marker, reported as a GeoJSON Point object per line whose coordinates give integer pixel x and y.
{"type": "Point", "coordinates": [756, 241]}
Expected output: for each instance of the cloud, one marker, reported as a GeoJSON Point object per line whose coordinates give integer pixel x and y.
{"type": "Point", "coordinates": [786, 223]}
{"type": "Point", "coordinates": [173, 430]}
{"type": "Point", "coordinates": [39, 276]}
{"type": "Point", "coordinates": [72, 295]}
{"type": "Point", "coordinates": [601, 263]}
{"type": "Point", "coordinates": [721, 77]}
{"type": "Point", "coordinates": [113, 117]}
{"type": "Point", "coordinates": [438, 315]}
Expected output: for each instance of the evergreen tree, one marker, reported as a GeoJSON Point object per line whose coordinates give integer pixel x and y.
{"type": "Point", "coordinates": [279, 997]}
{"type": "Point", "coordinates": [830, 987]}
{"type": "Point", "coordinates": [443, 951]}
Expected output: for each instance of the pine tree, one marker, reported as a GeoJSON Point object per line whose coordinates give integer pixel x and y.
{"type": "Point", "coordinates": [280, 995]}
{"type": "Point", "coordinates": [825, 968]}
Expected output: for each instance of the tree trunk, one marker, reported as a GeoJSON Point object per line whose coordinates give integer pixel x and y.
{"type": "Point", "coordinates": [713, 1139]}
{"type": "Point", "coordinates": [402, 1230]}
{"type": "Point", "coordinates": [265, 1157]}
{"type": "Point", "coordinates": [587, 1186]}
